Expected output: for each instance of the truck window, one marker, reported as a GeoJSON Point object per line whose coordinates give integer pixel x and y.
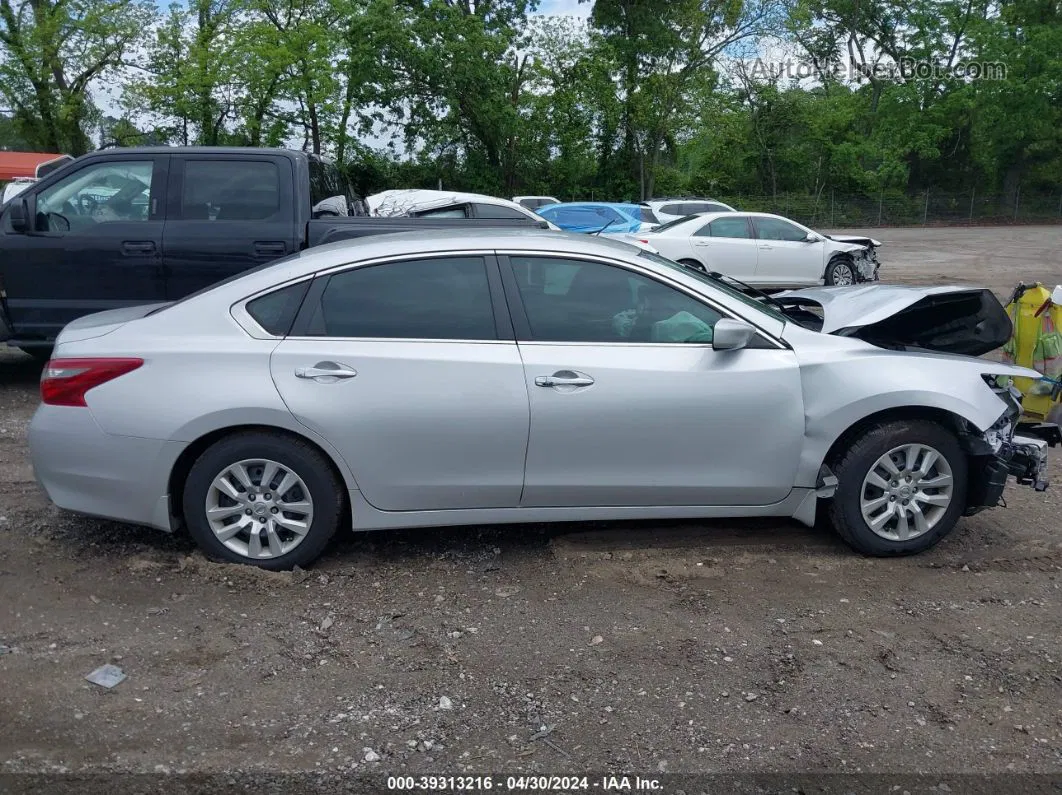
{"type": "Point", "coordinates": [330, 193]}
{"type": "Point", "coordinates": [232, 190]}
{"type": "Point", "coordinates": [115, 191]}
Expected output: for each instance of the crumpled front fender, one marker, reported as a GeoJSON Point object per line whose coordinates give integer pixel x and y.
{"type": "Point", "coordinates": [846, 381]}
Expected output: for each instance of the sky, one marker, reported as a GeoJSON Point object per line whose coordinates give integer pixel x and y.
{"type": "Point", "coordinates": [563, 8]}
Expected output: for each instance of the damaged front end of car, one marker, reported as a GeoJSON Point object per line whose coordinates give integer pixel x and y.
{"type": "Point", "coordinates": [866, 264]}
{"type": "Point", "coordinates": [999, 453]}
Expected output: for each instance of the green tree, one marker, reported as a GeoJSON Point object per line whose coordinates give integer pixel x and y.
{"type": "Point", "coordinates": [52, 52]}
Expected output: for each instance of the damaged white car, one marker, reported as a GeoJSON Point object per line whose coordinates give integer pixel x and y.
{"type": "Point", "coordinates": [505, 376]}
{"type": "Point", "coordinates": [764, 250]}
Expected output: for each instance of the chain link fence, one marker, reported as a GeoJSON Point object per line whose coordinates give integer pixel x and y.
{"type": "Point", "coordinates": [832, 209]}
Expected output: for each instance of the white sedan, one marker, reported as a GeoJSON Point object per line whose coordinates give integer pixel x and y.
{"type": "Point", "coordinates": [763, 250]}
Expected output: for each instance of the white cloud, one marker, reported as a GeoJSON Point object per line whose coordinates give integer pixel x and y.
{"type": "Point", "coordinates": [563, 8]}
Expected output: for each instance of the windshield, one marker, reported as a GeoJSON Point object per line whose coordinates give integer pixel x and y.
{"type": "Point", "coordinates": [718, 284]}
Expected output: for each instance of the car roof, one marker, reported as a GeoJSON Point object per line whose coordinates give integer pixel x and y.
{"type": "Point", "coordinates": [440, 197]}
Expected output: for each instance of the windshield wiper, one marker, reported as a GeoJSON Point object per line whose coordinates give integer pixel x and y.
{"type": "Point", "coordinates": [606, 226]}
{"type": "Point", "coordinates": [749, 288]}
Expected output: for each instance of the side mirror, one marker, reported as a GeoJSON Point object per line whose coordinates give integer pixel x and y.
{"type": "Point", "coordinates": [18, 212]}
{"type": "Point", "coordinates": [813, 237]}
{"type": "Point", "coordinates": [731, 335]}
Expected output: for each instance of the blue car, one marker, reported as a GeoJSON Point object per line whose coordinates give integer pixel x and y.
{"type": "Point", "coordinates": [605, 218]}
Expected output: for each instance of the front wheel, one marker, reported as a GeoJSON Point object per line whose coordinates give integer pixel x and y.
{"type": "Point", "coordinates": [266, 499]}
{"type": "Point", "coordinates": [840, 273]}
{"type": "Point", "coordinates": [901, 487]}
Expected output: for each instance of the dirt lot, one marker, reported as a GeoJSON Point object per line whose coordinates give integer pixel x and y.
{"type": "Point", "coordinates": [721, 647]}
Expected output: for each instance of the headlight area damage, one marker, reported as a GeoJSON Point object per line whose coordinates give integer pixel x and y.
{"type": "Point", "coordinates": [999, 453]}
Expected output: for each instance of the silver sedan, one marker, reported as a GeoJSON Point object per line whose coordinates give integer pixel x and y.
{"type": "Point", "coordinates": [426, 380]}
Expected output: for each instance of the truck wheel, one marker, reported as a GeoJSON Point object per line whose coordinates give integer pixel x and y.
{"type": "Point", "coordinates": [266, 499]}
{"type": "Point", "coordinates": [840, 273]}
{"type": "Point", "coordinates": [901, 487]}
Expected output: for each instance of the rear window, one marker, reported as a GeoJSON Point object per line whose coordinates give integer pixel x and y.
{"type": "Point", "coordinates": [326, 183]}
{"type": "Point", "coordinates": [276, 311]}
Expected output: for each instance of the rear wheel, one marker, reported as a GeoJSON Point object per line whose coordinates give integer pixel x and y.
{"type": "Point", "coordinates": [901, 487]}
{"type": "Point", "coordinates": [840, 273]}
{"type": "Point", "coordinates": [266, 499]}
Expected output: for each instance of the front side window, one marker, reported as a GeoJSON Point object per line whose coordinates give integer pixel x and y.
{"type": "Point", "coordinates": [580, 301]}
{"type": "Point", "coordinates": [461, 211]}
{"type": "Point", "coordinates": [97, 194]}
{"type": "Point", "coordinates": [438, 299]}
{"type": "Point", "coordinates": [233, 190]}
{"type": "Point", "coordinates": [500, 212]}
{"type": "Point", "coordinates": [725, 227]}
{"type": "Point", "coordinates": [777, 229]}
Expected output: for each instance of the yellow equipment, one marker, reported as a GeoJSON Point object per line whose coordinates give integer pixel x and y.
{"type": "Point", "coordinates": [1036, 342]}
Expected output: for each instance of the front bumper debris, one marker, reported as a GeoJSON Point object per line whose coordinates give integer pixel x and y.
{"type": "Point", "coordinates": [1023, 457]}
{"type": "Point", "coordinates": [1027, 461]}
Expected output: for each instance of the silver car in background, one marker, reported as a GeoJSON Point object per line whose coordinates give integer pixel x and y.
{"type": "Point", "coordinates": [522, 376]}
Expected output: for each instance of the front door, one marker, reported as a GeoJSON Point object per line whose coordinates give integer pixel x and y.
{"type": "Point", "coordinates": [403, 367]}
{"type": "Point", "coordinates": [227, 213]}
{"type": "Point", "coordinates": [631, 406]}
{"type": "Point", "coordinates": [726, 245]}
{"type": "Point", "coordinates": [95, 244]}
{"type": "Point", "coordinates": [787, 258]}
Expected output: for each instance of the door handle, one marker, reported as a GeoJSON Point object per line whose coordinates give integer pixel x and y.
{"type": "Point", "coordinates": [134, 247]}
{"type": "Point", "coordinates": [766, 248]}
{"type": "Point", "coordinates": [266, 248]}
{"type": "Point", "coordinates": [564, 378]}
{"type": "Point", "coordinates": [329, 370]}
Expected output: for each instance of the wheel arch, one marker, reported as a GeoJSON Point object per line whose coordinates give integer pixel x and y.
{"type": "Point", "coordinates": [838, 255]}
{"type": "Point", "coordinates": [183, 465]}
{"type": "Point", "coordinates": [949, 419]}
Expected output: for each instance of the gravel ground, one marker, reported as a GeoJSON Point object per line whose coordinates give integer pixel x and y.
{"type": "Point", "coordinates": [723, 647]}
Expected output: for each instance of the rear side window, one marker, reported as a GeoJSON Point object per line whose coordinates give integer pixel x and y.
{"type": "Point", "coordinates": [276, 311]}
{"type": "Point", "coordinates": [704, 207]}
{"type": "Point", "coordinates": [438, 299]}
{"type": "Point", "coordinates": [673, 209]}
{"type": "Point", "coordinates": [230, 190]}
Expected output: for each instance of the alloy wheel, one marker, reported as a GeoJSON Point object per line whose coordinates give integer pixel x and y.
{"type": "Point", "coordinates": [906, 492]}
{"type": "Point", "coordinates": [259, 508]}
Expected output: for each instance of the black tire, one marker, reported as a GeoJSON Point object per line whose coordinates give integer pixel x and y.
{"type": "Point", "coordinates": [41, 355]}
{"type": "Point", "coordinates": [324, 486]}
{"type": "Point", "coordinates": [841, 270]}
{"type": "Point", "coordinates": [693, 264]}
{"type": "Point", "coordinates": [854, 463]}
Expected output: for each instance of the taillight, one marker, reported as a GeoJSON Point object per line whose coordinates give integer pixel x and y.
{"type": "Point", "coordinates": [643, 240]}
{"type": "Point", "coordinates": [64, 382]}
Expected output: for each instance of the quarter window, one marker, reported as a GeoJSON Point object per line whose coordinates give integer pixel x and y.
{"type": "Point", "coordinates": [119, 190]}
{"type": "Point", "coordinates": [442, 299]}
{"type": "Point", "coordinates": [230, 190]}
{"type": "Point", "coordinates": [777, 229]}
{"type": "Point", "coordinates": [579, 301]}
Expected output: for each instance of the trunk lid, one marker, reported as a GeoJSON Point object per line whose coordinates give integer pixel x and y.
{"type": "Point", "coordinates": [100, 323]}
{"type": "Point", "coordinates": [963, 320]}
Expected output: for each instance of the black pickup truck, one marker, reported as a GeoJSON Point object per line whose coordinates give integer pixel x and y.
{"type": "Point", "coordinates": [121, 227]}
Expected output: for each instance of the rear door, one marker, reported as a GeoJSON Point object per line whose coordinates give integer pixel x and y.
{"type": "Point", "coordinates": [95, 244]}
{"type": "Point", "coordinates": [227, 213]}
{"type": "Point", "coordinates": [410, 368]}
{"type": "Point", "coordinates": [727, 245]}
